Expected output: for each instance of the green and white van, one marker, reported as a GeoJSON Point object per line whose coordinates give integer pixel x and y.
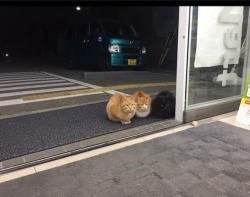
{"type": "Point", "coordinates": [105, 43]}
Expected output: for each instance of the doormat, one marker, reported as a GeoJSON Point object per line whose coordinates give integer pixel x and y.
{"type": "Point", "coordinates": [210, 153]}
{"type": "Point", "coordinates": [37, 132]}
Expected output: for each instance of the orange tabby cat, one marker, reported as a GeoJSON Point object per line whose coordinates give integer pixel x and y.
{"type": "Point", "coordinates": [121, 108]}
{"type": "Point", "coordinates": [143, 102]}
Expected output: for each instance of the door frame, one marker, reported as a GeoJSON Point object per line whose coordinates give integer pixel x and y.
{"type": "Point", "coordinates": [181, 113]}
{"type": "Point", "coordinates": [182, 51]}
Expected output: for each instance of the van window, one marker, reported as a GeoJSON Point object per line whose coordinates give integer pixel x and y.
{"type": "Point", "coordinates": [118, 29]}
{"type": "Point", "coordinates": [126, 30]}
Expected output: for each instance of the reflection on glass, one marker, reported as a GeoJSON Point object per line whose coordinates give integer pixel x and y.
{"type": "Point", "coordinates": [118, 29]}
{"type": "Point", "coordinates": [216, 53]}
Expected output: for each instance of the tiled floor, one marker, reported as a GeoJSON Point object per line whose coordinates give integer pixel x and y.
{"type": "Point", "coordinates": [231, 120]}
{"type": "Point", "coordinates": [226, 118]}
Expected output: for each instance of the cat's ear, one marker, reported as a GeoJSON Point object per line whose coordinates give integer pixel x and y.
{"type": "Point", "coordinates": [133, 98]}
{"type": "Point", "coordinates": [123, 97]}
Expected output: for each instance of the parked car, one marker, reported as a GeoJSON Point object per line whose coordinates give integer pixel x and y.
{"type": "Point", "coordinates": [105, 43]}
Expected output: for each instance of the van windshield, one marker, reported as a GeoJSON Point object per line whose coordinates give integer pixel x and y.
{"type": "Point", "coordinates": [118, 29]}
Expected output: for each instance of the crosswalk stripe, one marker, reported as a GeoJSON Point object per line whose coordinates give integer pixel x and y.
{"type": "Point", "coordinates": [35, 82]}
{"type": "Point", "coordinates": [20, 73]}
{"type": "Point", "coordinates": [74, 81]}
{"type": "Point", "coordinates": [21, 101]}
{"type": "Point", "coordinates": [24, 77]}
{"type": "Point", "coordinates": [40, 91]}
{"type": "Point", "coordinates": [36, 86]}
{"type": "Point", "coordinates": [83, 83]}
{"type": "Point", "coordinates": [14, 86]}
{"type": "Point", "coordinates": [22, 80]}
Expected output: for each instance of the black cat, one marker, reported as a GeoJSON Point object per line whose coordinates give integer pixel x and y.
{"type": "Point", "coordinates": [163, 105]}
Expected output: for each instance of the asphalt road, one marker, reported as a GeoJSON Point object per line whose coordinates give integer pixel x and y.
{"type": "Point", "coordinates": [151, 80]}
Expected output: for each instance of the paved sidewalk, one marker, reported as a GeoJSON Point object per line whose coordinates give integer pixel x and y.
{"type": "Point", "coordinates": [212, 159]}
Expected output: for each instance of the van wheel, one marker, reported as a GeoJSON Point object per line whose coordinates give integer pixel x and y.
{"type": "Point", "coordinates": [104, 63]}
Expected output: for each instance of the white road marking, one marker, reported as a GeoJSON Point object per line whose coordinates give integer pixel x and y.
{"type": "Point", "coordinates": [72, 80]}
{"type": "Point", "coordinates": [20, 73]}
{"type": "Point", "coordinates": [40, 91]}
{"type": "Point", "coordinates": [23, 77]}
{"type": "Point", "coordinates": [35, 82]}
{"type": "Point", "coordinates": [36, 86]}
{"type": "Point", "coordinates": [21, 101]}
{"type": "Point", "coordinates": [83, 83]}
{"type": "Point", "coordinates": [22, 80]}
{"type": "Point", "coordinates": [11, 83]}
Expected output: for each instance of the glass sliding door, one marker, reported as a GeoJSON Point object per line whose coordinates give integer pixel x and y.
{"type": "Point", "coordinates": [216, 61]}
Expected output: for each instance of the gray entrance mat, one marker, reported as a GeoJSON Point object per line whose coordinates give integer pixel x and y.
{"type": "Point", "coordinates": [209, 160]}
{"type": "Point", "coordinates": [37, 132]}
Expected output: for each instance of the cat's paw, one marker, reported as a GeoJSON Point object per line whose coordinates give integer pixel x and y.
{"type": "Point", "coordinates": [126, 122]}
